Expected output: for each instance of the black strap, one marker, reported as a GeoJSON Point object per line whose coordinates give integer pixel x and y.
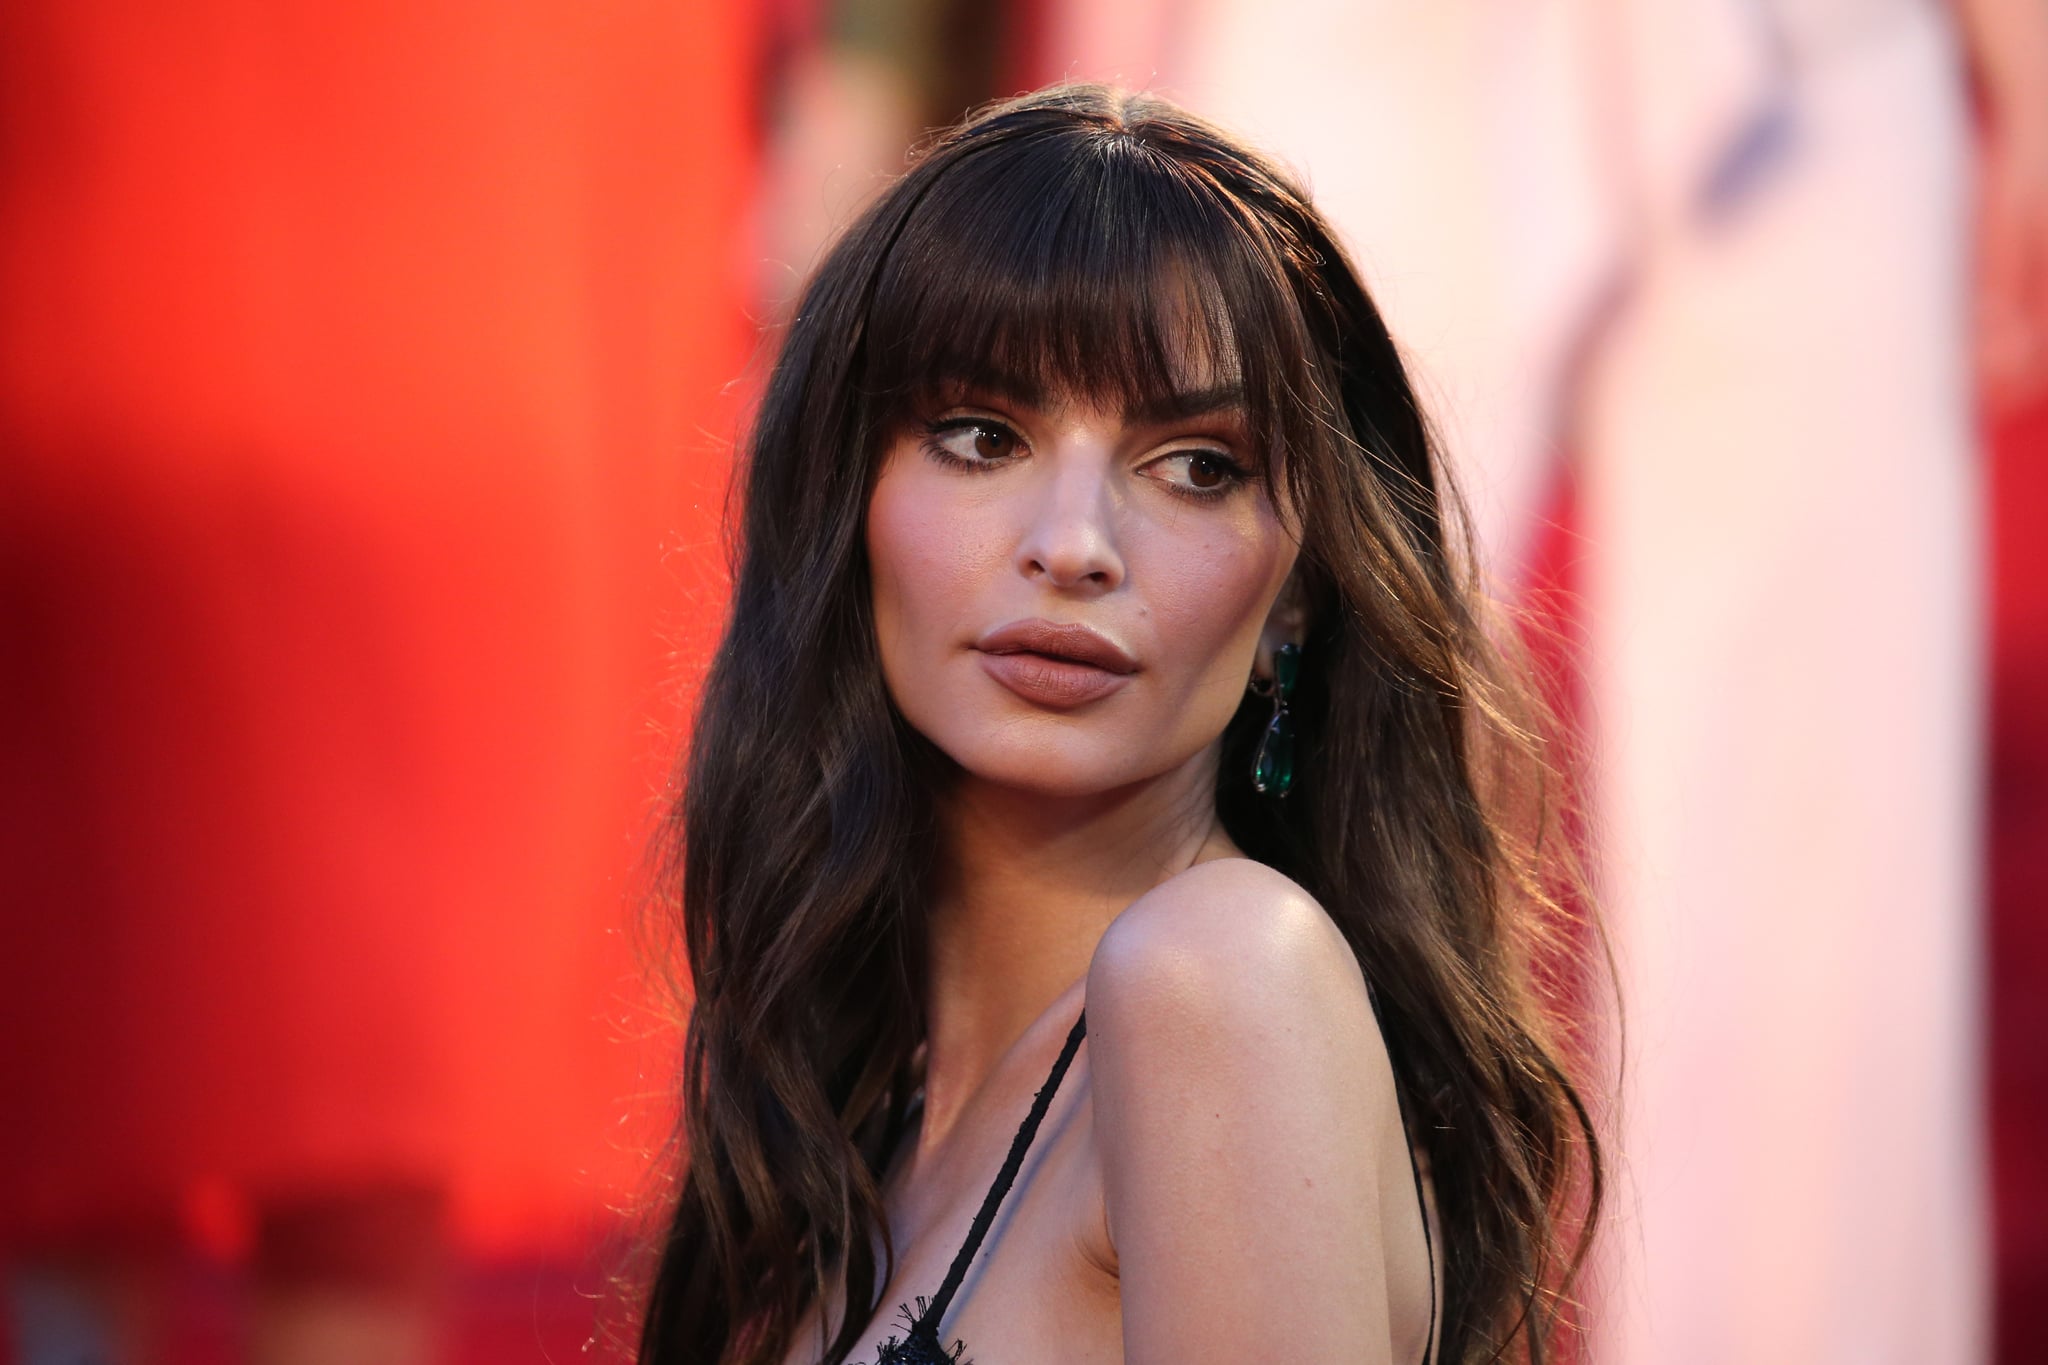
{"type": "Point", "coordinates": [1428, 1247]}
{"type": "Point", "coordinates": [1372, 998]}
{"type": "Point", "coordinates": [1013, 1163]}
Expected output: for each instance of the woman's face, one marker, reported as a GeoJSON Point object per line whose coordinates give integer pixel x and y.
{"type": "Point", "coordinates": [1068, 600]}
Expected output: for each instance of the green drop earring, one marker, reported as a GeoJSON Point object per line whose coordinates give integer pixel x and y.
{"type": "Point", "coordinates": [1273, 765]}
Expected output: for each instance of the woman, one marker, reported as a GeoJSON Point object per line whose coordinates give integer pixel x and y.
{"type": "Point", "coordinates": [1100, 636]}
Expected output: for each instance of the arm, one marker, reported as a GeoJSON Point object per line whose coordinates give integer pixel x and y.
{"type": "Point", "coordinates": [1243, 1102]}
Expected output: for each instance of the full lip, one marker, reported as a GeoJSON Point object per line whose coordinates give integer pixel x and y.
{"type": "Point", "coordinates": [1057, 667]}
{"type": "Point", "coordinates": [1065, 643]}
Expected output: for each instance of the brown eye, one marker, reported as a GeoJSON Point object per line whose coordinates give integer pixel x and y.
{"type": "Point", "coordinates": [993, 442]}
{"type": "Point", "coordinates": [973, 443]}
{"type": "Point", "coordinates": [1208, 474]}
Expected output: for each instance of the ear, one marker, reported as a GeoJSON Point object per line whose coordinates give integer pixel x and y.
{"type": "Point", "coordinates": [1286, 624]}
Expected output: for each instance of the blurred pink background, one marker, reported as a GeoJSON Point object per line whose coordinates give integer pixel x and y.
{"type": "Point", "coordinates": [369, 379]}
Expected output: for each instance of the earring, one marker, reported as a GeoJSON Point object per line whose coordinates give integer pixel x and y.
{"type": "Point", "coordinates": [1273, 765]}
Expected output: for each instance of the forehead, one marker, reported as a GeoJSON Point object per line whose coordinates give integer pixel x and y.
{"type": "Point", "coordinates": [1193, 370]}
{"type": "Point", "coordinates": [1217, 401]}
{"type": "Point", "coordinates": [1114, 283]}
{"type": "Point", "coordinates": [1192, 381]}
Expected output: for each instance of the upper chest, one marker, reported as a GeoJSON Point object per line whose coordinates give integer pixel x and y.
{"type": "Point", "coordinates": [1043, 1287]}
{"type": "Point", "coordinates": [1039, 1289]}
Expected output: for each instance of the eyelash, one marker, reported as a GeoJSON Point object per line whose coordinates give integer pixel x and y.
{"type": "Point", "coordinates": [1235, 475]}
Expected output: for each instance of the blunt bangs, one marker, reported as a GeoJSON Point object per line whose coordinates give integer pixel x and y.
{"type": "Point", "coordinates": [1080, 264]}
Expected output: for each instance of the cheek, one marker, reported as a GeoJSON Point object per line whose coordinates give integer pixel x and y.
{"type": "Point", "coordinates": [926, 555]}
{"type": "Point", "coordinates": [1210, 596]}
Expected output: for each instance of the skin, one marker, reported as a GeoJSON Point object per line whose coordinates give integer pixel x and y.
{"type": "Point", "coordinates": [1223, 1174]}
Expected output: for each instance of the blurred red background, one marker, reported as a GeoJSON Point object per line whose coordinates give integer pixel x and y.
{"type": "Point", "coordinates": [365, 392]}
{"type": "Point", "coordinates": [368, 378]}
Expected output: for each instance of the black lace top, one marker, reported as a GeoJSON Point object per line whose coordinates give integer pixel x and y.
{"type": "Point", "coordinates": [920, 1344]}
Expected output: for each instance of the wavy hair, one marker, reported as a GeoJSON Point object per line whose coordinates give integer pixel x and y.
{"type": "Point", "coordinates": [1075, 242]}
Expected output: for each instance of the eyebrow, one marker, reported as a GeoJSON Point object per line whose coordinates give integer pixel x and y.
{"type": "Point", "coordinates": [1156, 411]}
{"type": "Point", "coordinates": [1179, 407]}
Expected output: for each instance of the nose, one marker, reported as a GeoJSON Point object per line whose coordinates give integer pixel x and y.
{"type": "Point", "coordinates": [1070, 541]}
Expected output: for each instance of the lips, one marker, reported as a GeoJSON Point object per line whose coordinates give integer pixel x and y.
{"type": "Point", "coordinates": [1053, 664]}
{"type": "Point", "coordinates": [1070, 643]}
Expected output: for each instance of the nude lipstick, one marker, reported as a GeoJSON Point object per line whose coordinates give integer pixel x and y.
{"type": "Point", "coordinates": [1055, 665]}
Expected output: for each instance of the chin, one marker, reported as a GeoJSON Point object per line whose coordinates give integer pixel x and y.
{"type": "Point", "coordinates": [1082, 762]}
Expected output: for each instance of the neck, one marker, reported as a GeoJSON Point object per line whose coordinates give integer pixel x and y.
{"type": "Point", "coordinates": [1026, 884]}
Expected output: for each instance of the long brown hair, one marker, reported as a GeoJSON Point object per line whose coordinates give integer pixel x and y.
{"type": "Point", "coordinates": [1075, 241]}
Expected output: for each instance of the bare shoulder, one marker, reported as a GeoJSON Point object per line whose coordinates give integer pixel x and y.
{"type": "Point", "coordinates": [1230, 985]}
{"type": "Point", "coordinates": [1246, 1125]}
{"type": "Point", "coordinates": [1234, 947]}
